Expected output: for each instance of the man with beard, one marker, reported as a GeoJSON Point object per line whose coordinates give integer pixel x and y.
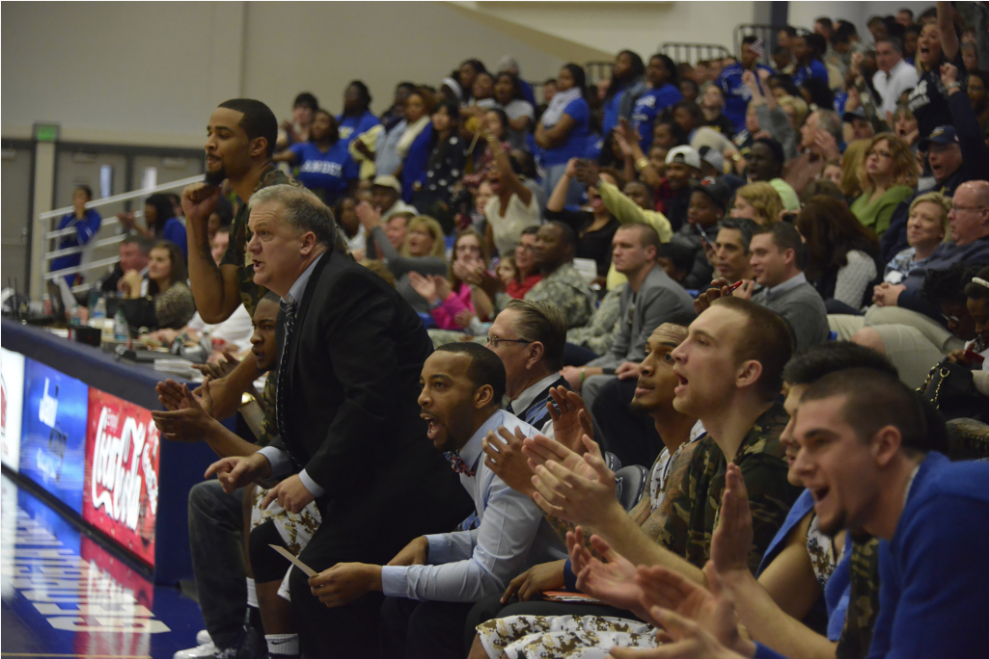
{"type": "Point", "coordinates": [431, 585]}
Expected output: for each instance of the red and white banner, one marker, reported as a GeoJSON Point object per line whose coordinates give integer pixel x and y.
{"type": "Point", "coordinates": [121, 492]}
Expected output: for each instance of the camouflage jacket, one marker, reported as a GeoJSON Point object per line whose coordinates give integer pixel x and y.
{"type": "Point", "coordinates": [240, 235]}
{"type": "Point", "coordinates": [693, 514]}
{"type": "Point", "coordinates": [599, 334]}
{"type": "Point", "coordinates": [564, 289]}
{"type": "Point", "coordinates": [863, 603]}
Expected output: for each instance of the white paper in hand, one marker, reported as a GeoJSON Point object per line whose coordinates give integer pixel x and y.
{"type": "Point", "coordinates": [309, 572]}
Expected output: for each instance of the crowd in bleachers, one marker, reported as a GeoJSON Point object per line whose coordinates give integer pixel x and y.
{"type": "Point", "coordinates": [740, 309]}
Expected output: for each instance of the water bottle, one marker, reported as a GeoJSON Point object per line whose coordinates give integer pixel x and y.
{"type": "Point", "coordinates": [120, 332]}
{"type": "Point", "coordinates": [98, 315]}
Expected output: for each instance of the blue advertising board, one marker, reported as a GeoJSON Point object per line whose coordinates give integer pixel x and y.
{"type": "Point", "coordinates": [53, 432]}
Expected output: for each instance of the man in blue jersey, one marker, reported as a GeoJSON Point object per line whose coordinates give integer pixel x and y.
{"type": "Point", "coordinates": [737, 95]}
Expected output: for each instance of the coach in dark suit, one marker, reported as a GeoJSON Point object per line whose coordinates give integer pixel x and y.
{"type": "Point", "coordinates": [351, 354]}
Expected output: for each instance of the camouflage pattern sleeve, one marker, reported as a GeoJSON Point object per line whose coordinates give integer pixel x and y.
{"type": "Point", "coordinates": [655, 522]}
{"type": "Point", "coordinates": [566, 290]}
{"type": "Point", "coordinates": [269, 428]}
{"type": "Point", "coordinates": [863, 603]}
{"type": "Point", "coordinates": [599, 334]}
{"type": "Point", "coordinates": [678, 509]}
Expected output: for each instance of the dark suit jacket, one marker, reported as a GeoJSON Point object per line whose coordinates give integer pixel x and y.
{"type": "Point", "coordinates": [351, 411]}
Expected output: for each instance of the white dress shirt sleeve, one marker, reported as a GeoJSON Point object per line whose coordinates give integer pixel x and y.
{"type": "Point", "coordinates": [498, 550]}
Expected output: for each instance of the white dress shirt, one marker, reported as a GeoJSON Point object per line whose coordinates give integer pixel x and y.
{"type": "Point", "coordinates": [512, 535]}
{"type": "Point", "coordinates": [891, 85]}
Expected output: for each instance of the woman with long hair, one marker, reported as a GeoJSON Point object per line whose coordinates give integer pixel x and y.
{"type": "Point", "coordinates": [938, 44]}
{"type": "Point", "coordinates": [416, 142]}
{"type": "Point", "coordinates": [324, 163]}
{"type": "Point", "coordinates": [453, 302]}
{"type": "Point", "coordinates": [160, 223]}
{"type": "Point", "coordinates": [842, 255]}
{"type": "Point", "coordinates": [664, 93]}
{"type": "Point", "coordinates": [169, 302]}
{"type": "Point", "coordinates": [444, 166]}
{"type": "Point", "coordinates": [425, 247]}
{"type": "Point", "coordinates": [888, 176]}
{"type": "Point", "coordinates": [627, 85]}
{"type": "Point", "coordinates": [356, 117]}
{"type": "Point", "coordinates": [563, 129]}
{"type": "Point", "coordinates": [519, 113]}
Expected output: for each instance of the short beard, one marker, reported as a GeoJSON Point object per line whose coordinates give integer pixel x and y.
{"type": "Point", "coordinates": [639, 408]}
{"type": "Point", "coordinates": [216, 178]}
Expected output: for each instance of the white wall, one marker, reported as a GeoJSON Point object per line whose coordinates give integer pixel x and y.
{"type": "Point", "coordinates": [150, 72]}
{"type": "Point", "coordinates": [137, 72]}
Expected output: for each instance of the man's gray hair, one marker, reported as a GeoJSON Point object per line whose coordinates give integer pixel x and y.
{"type": "Point", "coordinates": [830, 121]}
{"type": "Point", "coordinates": [539, 321]}
{"type": "Point", "coordinates": [744, 226]}
{"type": "Point", "coordinates": [303, 209]}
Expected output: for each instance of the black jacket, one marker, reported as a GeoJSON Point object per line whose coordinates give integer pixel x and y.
{"type": "Point", "coordinates": [351, 415]}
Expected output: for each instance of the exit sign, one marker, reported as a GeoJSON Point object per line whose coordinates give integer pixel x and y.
{"type": "Point", "coordinates": [46, 132]}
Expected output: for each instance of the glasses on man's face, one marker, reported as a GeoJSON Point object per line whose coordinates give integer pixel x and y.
{"type": "Point", "coordinates": [959, 209]}
{"type": "Point", "coordinates": [494, 341]}
{"type": "Point", "coordinates": [951, 320]}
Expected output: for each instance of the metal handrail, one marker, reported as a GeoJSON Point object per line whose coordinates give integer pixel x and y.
{"type": "Point", "coordinates": [106, 222]}
{"type": "Point", "coordinates": [79, 250]}
{"type": "Point", "coordinates": [82, 268]}
{"type": "Point", "coordinates": [136, 194]}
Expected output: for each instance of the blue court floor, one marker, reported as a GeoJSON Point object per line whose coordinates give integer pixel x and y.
{"type": "Point", "coordinates": [65, 595]}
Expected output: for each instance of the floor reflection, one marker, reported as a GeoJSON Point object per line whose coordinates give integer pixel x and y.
{"type": "Point", "coordinates": [64, 594]}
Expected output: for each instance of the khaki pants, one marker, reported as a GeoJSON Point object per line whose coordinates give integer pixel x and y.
{"type": "Point", "coordinates": [913, 342]}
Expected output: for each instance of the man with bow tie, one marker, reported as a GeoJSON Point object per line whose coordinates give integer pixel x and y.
{"type": "Point", "coordinates": [432, 584]}
{"type": "Point", "coordinates": [350, 436]}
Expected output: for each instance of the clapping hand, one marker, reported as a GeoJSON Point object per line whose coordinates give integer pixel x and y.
{"type": "Point", "coordinates": [732, 538]}
{"type": "Point", "coordinates": [612, 581]}
{"type": "Point", "coordinates": [424, 286]}
{"type": "Point", "coordinates": [505, 458]}
{"type": "Point", "coordinates": [184, 419]}
{"type": "Point", "coordinates": [571, 420]}
{"type": "Point", "coordinates": [579, 489]}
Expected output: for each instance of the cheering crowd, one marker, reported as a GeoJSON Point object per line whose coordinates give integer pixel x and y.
{"type": "Point", "coordinates": [685, 363]}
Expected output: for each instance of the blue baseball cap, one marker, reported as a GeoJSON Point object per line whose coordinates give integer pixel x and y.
{"type": "Point", "coordinates": [940, 135]}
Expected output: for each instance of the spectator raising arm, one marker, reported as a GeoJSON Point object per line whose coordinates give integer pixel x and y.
{"type": "Point", "coordinates": [215, 288]}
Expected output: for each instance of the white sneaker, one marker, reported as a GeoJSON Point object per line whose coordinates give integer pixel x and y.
{"type": "Point", "coordinates": [202, 637]}
{"type": "Point", "coordinates": [198, 652]}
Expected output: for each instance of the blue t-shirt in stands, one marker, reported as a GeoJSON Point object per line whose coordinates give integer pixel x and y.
{"type": "Point", "coordinates": [527, 92]}
{"type": "Point", "coordinates": [351, 127]}
{"type": "Point", "coordinates": [414, 165]}
{"type": "Point", "coordinates": [174, 231]}
{"type": "Point", "coordinates": [736, 93]}
{"type": "Point", "coordinates": [85, 228]}
{"type": "Point", "coordinates": [326, 173]}
{"type": "Point", "coordinates": [575, 144]}
{"type": "Point", "coordinates": [648, 107]}
{"type": "Point", "coordinates": [611, 107]}
{"type": "Point", "coordinates": [815, 70]}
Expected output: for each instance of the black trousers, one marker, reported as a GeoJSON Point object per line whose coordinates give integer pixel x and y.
{"type": "Point", "coordinates": [630, 435]}
{"type": "Point", "coordinates": [490, 608]}
{"type": "Point", "coordinates": [423, 630]}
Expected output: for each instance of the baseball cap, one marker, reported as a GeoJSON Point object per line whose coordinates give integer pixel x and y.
{"type": "Point", "coordinates": [684, 155]}
{"type": "Point", "coordinates": [388, 182]}
{"type": "Point", "coordinates": [718, 192]}
{"type": "Point", "coordinates": [940, 135]}
{"type": "Point", "coordinates": [711, 156]}
{"type": "Point", "coordinates": [852, 115]}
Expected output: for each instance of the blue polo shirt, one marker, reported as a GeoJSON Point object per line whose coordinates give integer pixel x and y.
{"type": "Point", "coordinates": [737, 95]}
{"type": "Point", "coordinates": [649, 106]}
{"type": "Point", "coordinates": [351, 127]}
{"type": "Point", "coordinates": [327, 173]}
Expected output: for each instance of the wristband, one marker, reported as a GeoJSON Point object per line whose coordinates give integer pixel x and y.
{"type": "Point", "coordinates": [641, 164]}
{"type": "Point", "coordinates": [953, 85]}
{"type": "Point", "coordinates": [583, 373]}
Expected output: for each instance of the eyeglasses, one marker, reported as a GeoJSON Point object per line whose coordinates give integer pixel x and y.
{"type": "Point", "coordinates": [958, 209]}
{"type": "Point", "coordinates": [494, 341]}
{"type": "Point", "coordinates": [951, 319]}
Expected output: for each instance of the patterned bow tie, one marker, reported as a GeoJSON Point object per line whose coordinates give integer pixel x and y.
{"type": "Point", "coordinates": [458, 464]}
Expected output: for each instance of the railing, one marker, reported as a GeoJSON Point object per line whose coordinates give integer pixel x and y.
{"type": "Point", "coordinates": [693, 52]}
{"type": "Point", "coordinates": [597, 71]}
{"type": "Point", "coordinates": [44, 219]}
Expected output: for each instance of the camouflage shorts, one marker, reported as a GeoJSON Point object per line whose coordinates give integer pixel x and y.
{"type": "Point", "coordinates": [569, 637]}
